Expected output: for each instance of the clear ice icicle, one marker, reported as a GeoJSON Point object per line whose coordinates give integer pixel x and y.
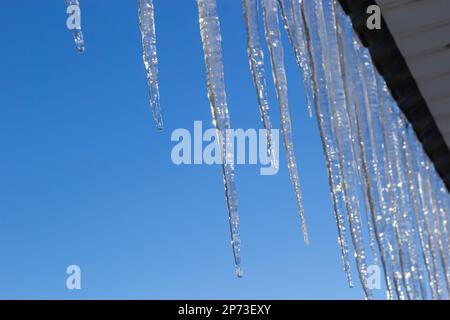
{"type": "Point", "coordinates": [418, 212]}
{"type": "Point", "coordinates": [401, 206]}
{"type": "Point", "coordinates": [312, 50]}
{"type": "Point", "coordinates": [342, 31]}
{"type": "Point", "coordinates": [256, 61]}
{"type": "Point", "coordinates": [212, 47]}
{"type": "Point", "coordinates": [273, 39]}
{"type": "Point", "coordinates": [422, 166]}
{"type": "Point", "coordinates": [147, 27]}
{"type": "Point", "coordinates": [74, 23]}
{"type": "Point", "coordinates": [342, 129]}
{"type": "Point", "coordinates": [360, 146]}
{"type": "Point", "coordinates": [391, 181]}
{"type": "Point", "coordinates": [370, 154]}
{"type": "Point", "coordinates": [291, 13]}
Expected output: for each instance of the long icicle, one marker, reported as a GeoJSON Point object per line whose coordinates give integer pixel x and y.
{"type": "Point", "coordinates": [212, 47]}
{"type": "Point", "coordinates": [76, 31]}
{"type": "Point", "coordinates": [426, 202]}
{"type": "Point", "coordinates": [401, 205]}
{"type": "Point", "coordinates": [312, 75]}
{"type": "Point", "coordinates": [410, 226]}
{"type": "Point", "coordinates": [408, 239]}
{"type": "Point", "coordinates": [361, 144]}
{"type": "Point", "coordinates": [147, 27]}
{"type": "Point", "coordinates": [376, 163]}
{"type": "Point", "coordinates": [341, 24]}
{"type": "Point", "coordinates": [421, 210]}
{"type": "Point", "coordinates": [440, 236]}
{"type": "Point", "coordinates": [273, 39]}
{"type": "Point", "coordinates": [290, 12]}
{"type": "Point", "coordinates": [408, 253]}
{"type": "Point", "coordinates": [422, 166]}
{"type": "Point", "coordinates": [256, 61]}
{"type": "Point", "coordinates": [342, 129]}
{"type": "Point", "coordinates": [441, 224]}
{"type": "Point", "coordinates": [386, 171]}
{"type": "Point", "coordinates": [414, 187]}
{"type": "Point", "coordinates": [432, 219]}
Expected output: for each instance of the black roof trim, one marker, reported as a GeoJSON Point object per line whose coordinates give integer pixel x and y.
{"type": "Point", "coordinates": [391, 64]}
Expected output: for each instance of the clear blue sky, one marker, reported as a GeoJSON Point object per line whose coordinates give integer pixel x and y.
{"type": "Point", "coordinates": [86, 179]}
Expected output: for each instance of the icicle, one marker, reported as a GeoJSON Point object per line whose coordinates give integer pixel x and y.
{"type": "Point", "coordinates": [342, 30]}
{"type": "Point", "coordinates": [212, 47]}
{"type": "Point", "coordinates": [362, 144]}
{"type": "Point", "coordinates": [439, 251]}
{"type": "Point", "coordinates": [441, 223]}
{"type": "Point", "coordinates": [312, 49]}
{"type": "Point", "coordinates": [413, 186]}
{"type": "Point", "coordinates": [256, 61]}
{"type": "Point", "coordinates": [406, 194]}
{"type": "Point", "coordinates": [147, 27]}
{"type": "Point", "coordinates": [437, 227]}
{"type": "Point", "coordinates": [290, 11]}
{"type": "Point", "coordinates": [366, 145]}
{"type": "Point", "coordinates": [426, 201]}
{"type": "Point", "coordinates": [73, 6]}
{"type": "Point", "coordinates": [401, 205]}
{"type": "Point", "coordinates": [409, 199]}
{"type": "Point", "coordinates": [342, 130]}
{"type": "Point", "coordinates": [382, 144]}
{"type": "Point", "coordinates": [370, 149]}
{"type": "Point", "coordinates": [273, 39]}
{"type": "Point", "coordinates": [392, 200]}
{"type": "Point", "coordinates": [426, 206]}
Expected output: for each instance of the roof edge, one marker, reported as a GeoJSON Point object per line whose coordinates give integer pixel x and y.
{"type": "Point", "coordinates": [392, 66]}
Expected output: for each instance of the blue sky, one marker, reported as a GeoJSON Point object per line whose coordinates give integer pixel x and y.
{"type": "Point", "coordinates": [86, 179]}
